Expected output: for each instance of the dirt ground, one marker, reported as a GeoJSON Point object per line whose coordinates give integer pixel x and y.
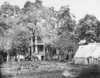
{"type": "Point", "coordinates": [38, 69]}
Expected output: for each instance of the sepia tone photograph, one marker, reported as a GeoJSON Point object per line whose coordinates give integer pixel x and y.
{"type": "Point", "coordinates": [49, 39]}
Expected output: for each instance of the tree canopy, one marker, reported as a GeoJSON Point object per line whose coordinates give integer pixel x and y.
{"type": "Point", "coordinates": [55, 28]}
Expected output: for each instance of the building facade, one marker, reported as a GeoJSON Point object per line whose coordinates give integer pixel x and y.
{"type": "Point", "coordinates": [37, 48]}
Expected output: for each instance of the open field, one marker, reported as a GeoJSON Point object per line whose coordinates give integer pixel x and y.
{"type": "Point", "coordinates": [39, 69]}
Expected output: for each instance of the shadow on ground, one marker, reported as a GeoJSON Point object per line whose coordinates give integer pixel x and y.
{"type": "Point", "coordinates": [90, 72]}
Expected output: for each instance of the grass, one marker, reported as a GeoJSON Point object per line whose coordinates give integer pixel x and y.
{"type": "Point", "coordinates": [41, 73]}
{"type": "Point", "coordinates": [80, 71]}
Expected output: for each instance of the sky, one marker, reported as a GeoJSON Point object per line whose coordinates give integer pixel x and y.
{"type": "Point", "coordinates": [77, 7]}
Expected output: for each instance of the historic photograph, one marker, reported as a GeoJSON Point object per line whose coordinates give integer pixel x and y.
{"type": "Point", "coordinates": [49, 39]}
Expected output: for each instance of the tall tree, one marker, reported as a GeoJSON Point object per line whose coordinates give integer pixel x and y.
{"type": "Point", "coordinates": [88, 28]}
{"type": "Point", "coordinates": [66, 29]}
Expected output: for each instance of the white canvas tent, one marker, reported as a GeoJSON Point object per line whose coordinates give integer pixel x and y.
{"type": "Point", "coordinates": [88, 54]}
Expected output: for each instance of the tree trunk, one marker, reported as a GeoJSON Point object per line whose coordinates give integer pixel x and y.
{"type": "Point", "coordinates": [48, 52]}
{"type": "Point", "coordinates": [8, 56]}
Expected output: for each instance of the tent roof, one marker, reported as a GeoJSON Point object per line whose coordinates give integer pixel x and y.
{"type": "Point", "coordinates": [90, 50]}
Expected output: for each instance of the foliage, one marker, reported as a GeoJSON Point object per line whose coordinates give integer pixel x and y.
{"type": "Point", "coordinates": [55, 28]}
{"type": "Point", "coordinates": [67, 41]}
{"type": "Point", "coordinates": [88, 28]}
{"type": "Point", "coordinates": [65, 21]}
